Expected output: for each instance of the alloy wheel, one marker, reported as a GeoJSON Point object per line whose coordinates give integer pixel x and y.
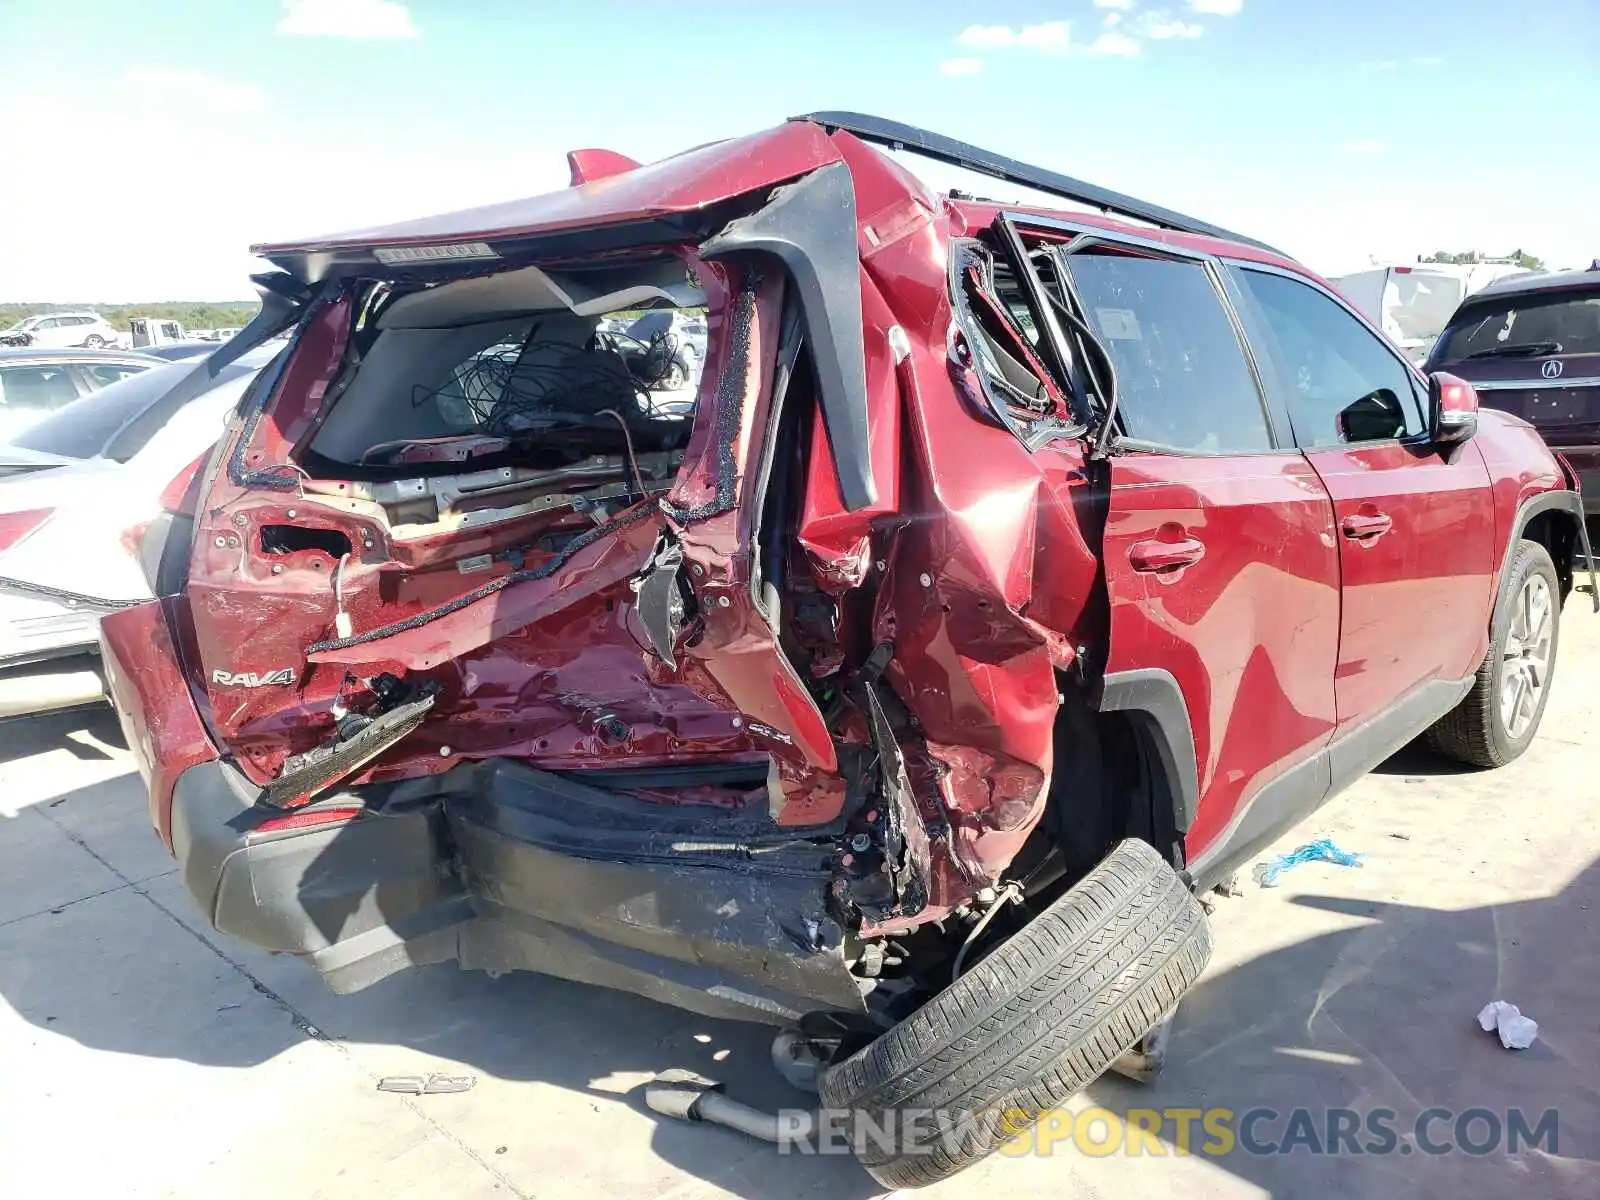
{"type": "Point", "coordinates": [1525, 663]}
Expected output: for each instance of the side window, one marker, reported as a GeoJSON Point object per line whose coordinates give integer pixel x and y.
{"type": "Point", "coordinates": [1344, 385]}
{"type": "Point", "coordinates": [1182, 377]}
{"type": "Point", "coordinates": [36, 387]}
{"type": "Point", "coordinates": [47, 323]}
{"type": "Point", "coordinates": [102, 374]}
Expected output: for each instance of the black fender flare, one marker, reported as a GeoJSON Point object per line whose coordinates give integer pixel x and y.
{"type": "Point", "coordinates": [1555, 500]}
{"type": "Point", "coordinates": [1152, 699]}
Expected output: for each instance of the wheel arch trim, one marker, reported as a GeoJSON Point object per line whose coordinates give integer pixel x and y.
{"type": "Point", "coordinates": [1151, 697]}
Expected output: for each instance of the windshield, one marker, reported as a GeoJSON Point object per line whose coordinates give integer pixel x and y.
{"type": "Point", "coordinates": [83, 428]}
{"type": "Point", "coordinates": [1538, 324]}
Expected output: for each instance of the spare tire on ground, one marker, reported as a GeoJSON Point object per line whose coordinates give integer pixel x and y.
{"type": "Point", "coordinates": [1030, 1025]}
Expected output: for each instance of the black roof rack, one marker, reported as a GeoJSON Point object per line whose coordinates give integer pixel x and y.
{"type": "Point", "coordinates": [947, 150]}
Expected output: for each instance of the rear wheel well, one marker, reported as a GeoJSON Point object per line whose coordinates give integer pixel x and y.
{"type": "Point", "coordinates": [1109, 783]}
{"type": "Point", "coordinates": [1556, 530]}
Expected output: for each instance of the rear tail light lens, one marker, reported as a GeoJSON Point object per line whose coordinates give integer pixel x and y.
{"type": "Point", "coordinates": [165, 565]}
{"type": "Point", "coordinates": [310, 819]}
{"type": "Point", "coordinates": [14, 526]}
{"type": "Point", "coordinates": [179, 495]}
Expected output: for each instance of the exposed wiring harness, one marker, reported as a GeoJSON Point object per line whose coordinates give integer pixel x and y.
{"type": "Point", "coordinates": [549, 383]}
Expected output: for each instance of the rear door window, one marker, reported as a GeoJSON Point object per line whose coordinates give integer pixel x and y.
{"type": "Point", "coordinates": [104, 374]}
{"type": "Point", "coordinates": [37, 387]}
{"type": "Point", "coordinates": [1534, 325]}
{"type": "Point", "coordinates": [1343, 383]}
{"type": "Point", "coordinates": [1183, 380]}
{"type": "Point", "coordinates": [1003, 339]}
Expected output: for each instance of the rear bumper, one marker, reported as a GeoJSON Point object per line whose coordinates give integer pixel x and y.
{"type": "Point", "coordinates": [34, 627]}
{"type": "Point", "coordinates": [502, 867]}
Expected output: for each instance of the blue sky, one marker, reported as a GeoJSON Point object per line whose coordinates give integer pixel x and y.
{"type": "Point", "coordinates": [168, 135]}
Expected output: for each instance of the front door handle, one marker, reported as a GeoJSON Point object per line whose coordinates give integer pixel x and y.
{"type": "Point", "coordinates": [1166, 556]}
{"type": "Point", "coordinates": [1360, 526]}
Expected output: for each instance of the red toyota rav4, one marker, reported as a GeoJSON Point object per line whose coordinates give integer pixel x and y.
{"type": "Point", "coordinates": [1011, 577]}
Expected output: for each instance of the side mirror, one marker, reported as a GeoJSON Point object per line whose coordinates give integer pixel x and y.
{"type": "Point", "coordinates": [1452, 409]}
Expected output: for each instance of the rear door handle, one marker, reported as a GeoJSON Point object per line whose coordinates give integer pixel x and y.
{"type": "Point", "coordinates": [1366, 525]}
{"type": "Point", "coordinates": [1165, 556]}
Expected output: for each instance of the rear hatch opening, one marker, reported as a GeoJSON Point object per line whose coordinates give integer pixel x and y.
{"type": "Point", "coordinates": [422, 446]}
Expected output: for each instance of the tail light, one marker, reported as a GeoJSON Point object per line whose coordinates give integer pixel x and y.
{"type": "Point", "coordinates": [181, 495]}
{"type": "Point", "coordinates": [14, 526]}
{"type": "Point", "coordinates": [162, 544]}
{"type": "Point", "coordinates": [308, 819]}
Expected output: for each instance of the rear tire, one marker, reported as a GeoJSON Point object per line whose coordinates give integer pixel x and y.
{"type": "Point", "coordinates": [1029, 1025]}
{"type": "Point", "coordinates": [1499, 717]}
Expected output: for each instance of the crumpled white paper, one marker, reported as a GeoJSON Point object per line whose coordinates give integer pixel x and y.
{"type": "Point", "coordinates": [1516, 1031]}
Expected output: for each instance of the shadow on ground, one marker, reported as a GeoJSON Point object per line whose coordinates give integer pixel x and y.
{"type": "Point", "coordinates": [22, 736]}
{"type": "Point", "coordinates": [1382, 1015]}
{"type": "Point", "coordinates": [1418, 759]}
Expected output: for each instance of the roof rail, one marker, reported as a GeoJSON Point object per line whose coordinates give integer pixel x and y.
{"type": "Point", "coordinates": [947, 150]}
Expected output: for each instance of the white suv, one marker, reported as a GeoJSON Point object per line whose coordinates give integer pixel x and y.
{"type": "Point", "coordinates": [58, 330]}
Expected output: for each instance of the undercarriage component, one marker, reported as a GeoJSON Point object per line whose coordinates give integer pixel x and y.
{"type": "Point", "coordinates": [691, 1097]}
{"type": "Point", "coordinates": [885, 862]}
{"type": "Point", "coordinates": [1144, 1062]}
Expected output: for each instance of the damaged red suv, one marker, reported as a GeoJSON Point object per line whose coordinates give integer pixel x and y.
{"type": "Point", "coordinates": [1009, 577]}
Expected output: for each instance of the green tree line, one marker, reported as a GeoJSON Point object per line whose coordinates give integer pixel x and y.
{"type": "Point", "coordinates": [1522, 258]}
{"type": "Point", "coordinates": [191, 314]}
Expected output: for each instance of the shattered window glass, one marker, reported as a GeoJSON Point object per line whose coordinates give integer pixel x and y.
{"type": "Point", "coordinates": [1003, 335]}
{"type": "Point", "coordinates": [1182, 378]}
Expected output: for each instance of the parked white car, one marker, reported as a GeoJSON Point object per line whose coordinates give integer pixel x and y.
{"type": "Point", "coordinates": [76, 491]}
{"type": "Point", "coordinates": [1413, 302]}
{"type": "Point", "coordinates": [60, 330]}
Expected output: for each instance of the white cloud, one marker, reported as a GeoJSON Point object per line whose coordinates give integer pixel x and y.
{"type": "Point", "coordinates": [1049, 37]}
{"type": "Point", "coordinates": [1426, 60]}
{"type": "Point", "coordinates": [173, 86]}
{"type": "Point", "coordinates": [1113, 19]}
{"type": "Point", "coordinates": [347, 18]}
{"type": "Point", "coordinates": [987, 37]}
{"type": "Point", "coordinates": [1161, 25]}
{"type": "Point", "coordinates": [1115, 44]}
{"type": "Point", "coordinates": [1366, 146]}
{"type": "Point", "coordinates": [1379, 66]}
{"type": "Point", "coordinates": [961, 66]}
{"type": "Point", "coordinates": [1052, 37]}
{"type": "Point", "coordinates": [1217, 8]}
{"type": "Point", "coordinates": [1122, 4]}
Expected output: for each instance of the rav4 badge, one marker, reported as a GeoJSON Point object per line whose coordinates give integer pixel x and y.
{"type": "Point", "coordinates": [284, 675]}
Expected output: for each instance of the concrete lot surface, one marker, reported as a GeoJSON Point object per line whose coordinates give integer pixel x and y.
{"type": "Point", "coordinates": [145, 1055]}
